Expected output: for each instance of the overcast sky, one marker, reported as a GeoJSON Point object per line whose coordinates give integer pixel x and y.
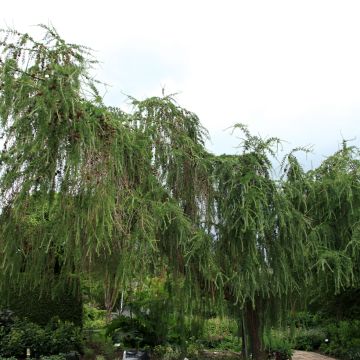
{"type": "Point", "coordinates": [289, 69]}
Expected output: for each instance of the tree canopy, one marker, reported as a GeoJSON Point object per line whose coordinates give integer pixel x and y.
{"type": "Point", "coordinates": [87, 188]}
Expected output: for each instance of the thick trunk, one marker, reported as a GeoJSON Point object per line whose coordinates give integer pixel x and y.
{"type": "Point", "coordinates": [244, 338]}
{"type": "Point", "coordinates": [254, 329]}
{"type": "Point", "coordinates": [111, 293]}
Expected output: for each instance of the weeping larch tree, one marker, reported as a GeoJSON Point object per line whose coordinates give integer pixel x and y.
{"type": "Point", "coordinates": [88, 189]}
{"type": "Point", "coordinates": [115, 194]}
{"type": "Point", "coordinates": [333, 204]}
{"type": "Point", "coordinates": [260, 238]}
{"type": "Point", "coordinates": [281, 240]}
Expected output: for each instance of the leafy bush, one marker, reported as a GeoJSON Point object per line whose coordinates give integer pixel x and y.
{"type": "Point", "coordinates": [89, 353]}
{"type": "Point", "coordinates": [93, 318]}
{"type": "Point", "coordinates": [344, 340]}
{"type": "Point", "coordinates": [309, 339]}
{"type": "Point", "coordinates": [130, 332]}
{"type": "Point", "coordinates": [303, 319]}
{"type": "Point", "coordinates": [7, 318]}
{"type": "Point", "coordinates": [221, 334]}
{"type": "Point", "coordinates": [229, 342]}
{"type": "Point", "coordinates": [54, 357]}
{"type": "Point", "coordinates": [55, 338]}
{"type": "Point", "coordinates": [354, 353]}
{"type": "Point", "coordinates": [278, 346]}
{"type": "Point", "coordinates": [64, 337]}
{"type": "Point", "coordinates": [166, 352]}
{"type": "Point", "coordinates": [217, 326]}
{"type": "Point", "coordinates": [98, 345]}
{"type": "Point", "coordinates": [39, 306]}
{"type": "Point", "coordinates": [23, 335]}
{"type": "Point", "coordinates": [193, 350]}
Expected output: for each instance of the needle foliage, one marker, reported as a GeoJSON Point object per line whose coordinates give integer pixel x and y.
{"type": "Point", "coordinates": [85, 187]}
{"type": "Point", "coordinates": [89, 189]}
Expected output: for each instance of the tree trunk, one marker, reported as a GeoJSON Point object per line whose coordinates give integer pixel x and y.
{"type": "Point", "coordinates": [244, 341]}
{"type": "Point", "coordinates": [254, 329]}
{"type": "Point", "coordinates": [111, 292]}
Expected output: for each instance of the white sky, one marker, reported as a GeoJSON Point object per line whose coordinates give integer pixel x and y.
{"type": "Point", "coordinates": [289, 69]}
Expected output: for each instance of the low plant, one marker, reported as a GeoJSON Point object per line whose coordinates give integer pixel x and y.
{"type": "Point", "coordinates": [278, 346]}
{"type": "Point", "coordinates": [89, 353]}
{"type": "Point", "coordinates": [194, 349]}
{"type": "Point", "coordinates": [344, 340]}
{"type": "Point", "coordinates": [98, 345]}
{"type": "Point", "coordinates": [55, 338]}
{"type": "Point", "coordinates": [130, 332]}
{"type": "Point", "coordinates": [166, 352]}
{"type": "Point", "coordinates": [54, 357]}
{"type": "Point", "coordinates": [221, 334]}
{"type": "Point", "coordinates": [7, 318]}
{"type": "Point", "coordinates": [93, 318]}
{"type": "Point", "coordinates": [309, 339]}
{"type": "Point", "coordinates": [303, 319]}
{"type": "Point", "coordinates": [23, 335]}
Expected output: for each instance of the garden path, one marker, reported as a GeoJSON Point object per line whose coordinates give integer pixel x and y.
{"type": "Point", "coordinates": [306, 355]}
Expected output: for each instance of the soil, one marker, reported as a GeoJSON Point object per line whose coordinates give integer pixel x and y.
{"type": "Point", "coordinates": [306, 355]}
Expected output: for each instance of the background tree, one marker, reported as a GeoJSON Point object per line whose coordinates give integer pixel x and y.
{"type": "Point", "coordinates": [260, 236]}
{"type": "Point", "coordinates": [333, 206]}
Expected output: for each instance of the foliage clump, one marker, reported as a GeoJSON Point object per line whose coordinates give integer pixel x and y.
{"type": "Point", "coordinates": [57, 337]}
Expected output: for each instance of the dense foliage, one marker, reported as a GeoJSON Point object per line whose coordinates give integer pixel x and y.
{"type": "Point", "coordinates": [91, 194]}
{"type": "Point", "coordinates": [39, 305]}
{"type": "Point", "coordinates": [52, 339]}
{"type": "Point", "coordinates": [81, 182]}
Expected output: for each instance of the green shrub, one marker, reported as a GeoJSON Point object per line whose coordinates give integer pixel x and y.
{"type": "Point", "coordinates": [57, 337]}
{"type": "Point", "coordinates": [166, 352]}
{"type": "Point", "coordinates": [221, 334]}
{"type": "Point", "coordinates": [215, 327]}
{"type": "Point", "coordinates": [89, 354]}
{"type": "Point", "coordinates": [193, 350]}
{"type": "Point", "coordinates": [93, 318]}
{"type": "Point", "coordinates": [131, 332]}
{"type": "Point", "coordinates": [278, 346]}
{"type": "Point", "coordinates": [309, 339]}
{"type": "Point", "coordinates": [303, 319]}
{"type": "Point", "coordinates": [54, 357]}
{"type": "Point", "coordinates": [354, 353]}
{"type": "Point", "coordinates": [40, 306]}
{"type": "Point", "coordinates": [99, 344]}
{"type": "Point", "coordinates": [228, 342]}
{"type": "Point", "coordinates": [344, 340]}
{"type": "Point", "coordinates": [64, 337]}
{"type": "Point", "coordinates": [7, 319]}
{"type": "Point", "coordinates": [23, 335]}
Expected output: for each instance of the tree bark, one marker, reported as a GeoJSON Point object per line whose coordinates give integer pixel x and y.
{"type": "Point", "coordinates": [244, 338]}
{"type": "Point", "coordinates": [111, 293]}
{"type": "Point", "coordinates": [254, 328]}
